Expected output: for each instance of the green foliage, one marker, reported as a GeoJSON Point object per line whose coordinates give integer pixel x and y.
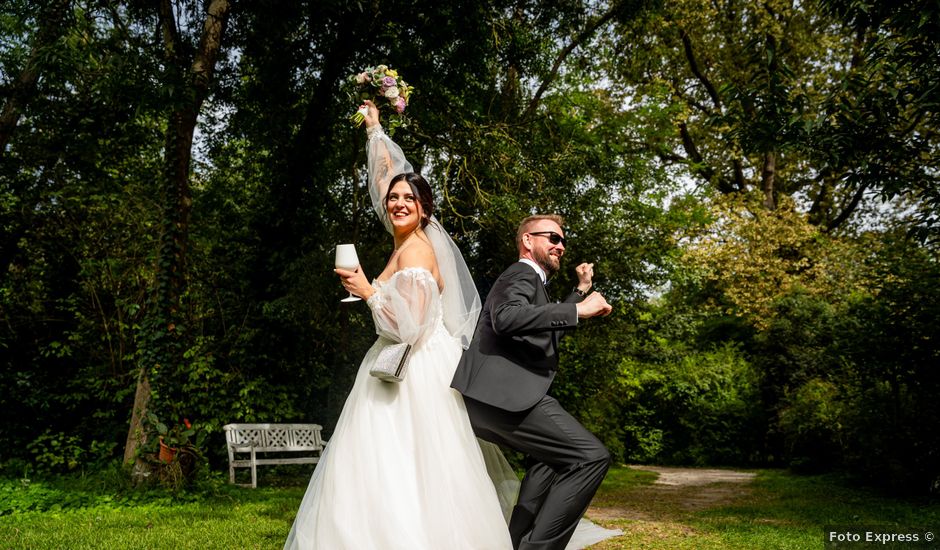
{"type": "Point", "coordinates": [891, 343]}
{"type": "Point", "coordinates": [76, 241]}
{"type": "Point", "coordinates": [887, 115]}
{"type": "Point", "coordinates": [107, 487]}
{"type": "Point", "coordinates": [830, 102]}
{"type": "Point", "coordinates": [812, 420]}
{"type": "Point", "coordinates": [796, 346]}
{"type": "Point", "coordinates": [693, 407]}
{"type": "Point", "coordinates": [845, 380]}
{"type": "Point", "coordinates": [20, 496]}
{"type": "Point", "coordinates": [183, 434]}
{"type": "Point", "coordinates": [739, 336]}
{"type": "Point", "coordinates": [56, 452]}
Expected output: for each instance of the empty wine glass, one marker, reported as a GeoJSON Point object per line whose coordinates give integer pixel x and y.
{"type": "Point", "coordinates": [346, 258]}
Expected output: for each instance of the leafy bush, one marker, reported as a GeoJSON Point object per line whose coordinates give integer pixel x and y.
{"type": "Point", "coordinates": [812, 421]}
{"type": "Point", "coordinates": [853, 383]}
{"type": "Point", "coordinates": [892, 344]}
{"type": "Point", "coordinates": [701, 408]}
{"type": "Point", "coordinates": [56, 452]}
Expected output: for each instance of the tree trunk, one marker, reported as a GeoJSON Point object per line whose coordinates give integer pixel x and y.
{"type": "Point", "coordinates": [167, 319]}
{"type": "Point", "coordinates": [137, 435]}
{"type": "Point", "coordinates": [819, 211]}
{"type": "Point", "coordinates": [768, 177]}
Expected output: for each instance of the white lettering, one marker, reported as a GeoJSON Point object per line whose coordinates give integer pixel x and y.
{"type": "Point", "coordinates": [835, 536]}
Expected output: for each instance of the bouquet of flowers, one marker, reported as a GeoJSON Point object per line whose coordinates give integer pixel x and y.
{"type": "Point", "coordinates": [385, 88]}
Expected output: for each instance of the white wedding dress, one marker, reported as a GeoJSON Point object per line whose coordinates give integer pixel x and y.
{"type": "Point", "coordinates": [403, 469]}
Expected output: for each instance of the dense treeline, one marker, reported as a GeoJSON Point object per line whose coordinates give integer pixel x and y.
{"type": "Point", "coordinates": [756, 182]}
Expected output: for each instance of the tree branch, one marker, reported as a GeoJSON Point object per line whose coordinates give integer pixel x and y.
{"type": "Point", "coordinates": [693, 66]}
{"type": "Point", "coordinates": [209, 46]}
{"type": "Point", "coordinates": [739, 183]}
{"type": "Point", "coordinates": [849, 208]}
{"type": "Point", "coordinates": [816, 211]}
{"type": "Point", "coordinates": [704, 109]}
{"type": "Point", "coordinates": [171, 36]}
{"type": "Point", "coordinates": [578, 40]}
{"type": "Point", "coordinates": [737, 168]}
{"type": "Point", "coordinates": [699, 165]}
{"type": "Point", "coordinates": [666, 156]}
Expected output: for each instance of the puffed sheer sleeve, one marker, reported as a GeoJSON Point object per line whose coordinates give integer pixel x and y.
{"type": "Point", "coordinates": [406, 307]}
{"type": "Point", "coordinates": [386, 160]}
{"type": "Point", "coordinates": [460, 301]}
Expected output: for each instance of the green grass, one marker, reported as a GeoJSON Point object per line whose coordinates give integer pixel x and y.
{"type": "Point", "coordinates": [619, 484]}
{"type": "Point", "coordinates": [777, 510]}
{"type": "Point", "coordinates": [213, 524]}
{"type": "Point", "coordinates": [71, 513]}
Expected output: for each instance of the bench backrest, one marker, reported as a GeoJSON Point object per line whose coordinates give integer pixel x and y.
{"type": "Point", "coordinates": [274, 437]}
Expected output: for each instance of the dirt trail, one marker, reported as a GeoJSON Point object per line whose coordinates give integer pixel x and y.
{"type": "Point", "coordinates": [675, 492]}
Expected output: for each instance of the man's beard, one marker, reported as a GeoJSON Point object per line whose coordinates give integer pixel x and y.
{"type": "Point", "coordinates": [546, 261]}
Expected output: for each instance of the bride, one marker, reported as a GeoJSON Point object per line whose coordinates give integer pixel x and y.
{"type": "Point", "coordinates": [403, 469]}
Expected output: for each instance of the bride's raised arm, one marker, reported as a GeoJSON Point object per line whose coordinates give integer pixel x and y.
{"type": "Point", "coordinates": [385, 161]}
{"type": "Point", "coordinates": [461, 302]}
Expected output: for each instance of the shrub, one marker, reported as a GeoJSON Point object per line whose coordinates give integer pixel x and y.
{"type": "Point", "coordinates": [56, 452]}
{"type": "Point", "coordinates": [812, 422]}
{"type": "Point", "coordinates": [701, 408]}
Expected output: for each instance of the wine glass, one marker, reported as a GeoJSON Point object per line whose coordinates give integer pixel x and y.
{"type": "Point", "coordinates": [347, 259]}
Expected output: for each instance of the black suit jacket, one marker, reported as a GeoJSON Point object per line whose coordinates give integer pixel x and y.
{"type": "Point", "coordinates": [513, 356]}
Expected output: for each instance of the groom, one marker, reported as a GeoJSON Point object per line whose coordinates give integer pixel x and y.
{"type": "Point", "coordinates": [505, 374]}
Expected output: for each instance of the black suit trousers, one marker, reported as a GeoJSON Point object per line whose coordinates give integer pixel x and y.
{"type": "Point", "coordinates": [567, 466]}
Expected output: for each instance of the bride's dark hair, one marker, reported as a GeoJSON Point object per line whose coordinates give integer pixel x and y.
{"type": "Point", "coordinates": [421, 189]}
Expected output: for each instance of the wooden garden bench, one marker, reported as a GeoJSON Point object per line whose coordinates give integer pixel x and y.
{"type": "Point", "coordinates": [271, 438]}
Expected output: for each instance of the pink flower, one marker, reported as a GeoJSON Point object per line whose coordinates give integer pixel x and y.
{"type": "Point", "coordinates": [380, 84]}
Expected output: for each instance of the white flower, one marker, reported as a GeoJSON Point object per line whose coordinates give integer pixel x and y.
{"type": "Point", "coordinates": [392, 93]}
{"type": "Point", "coordinates": [362, 78]}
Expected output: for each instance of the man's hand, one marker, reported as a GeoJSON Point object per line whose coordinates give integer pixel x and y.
{"type": "Point", "coordinates": [592, 306]}
{"type": "Point", "coordinates": [585, 274]}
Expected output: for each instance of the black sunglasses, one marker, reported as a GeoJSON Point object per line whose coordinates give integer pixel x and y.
{"type": "Point", "coordinates": [553, 237]}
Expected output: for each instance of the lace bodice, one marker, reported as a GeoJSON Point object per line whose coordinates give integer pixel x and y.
{"type": "Point", "coordinates": [406, 307]}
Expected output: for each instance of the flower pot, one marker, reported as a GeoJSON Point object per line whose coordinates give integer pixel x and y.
{"type": "Point", "coordinates": [167, 453]}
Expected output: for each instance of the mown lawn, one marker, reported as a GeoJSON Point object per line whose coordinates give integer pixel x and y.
{"type": "Point", "coordinates": [777, 510]}
{"type": "Point", "coordinates": [82, 514]}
